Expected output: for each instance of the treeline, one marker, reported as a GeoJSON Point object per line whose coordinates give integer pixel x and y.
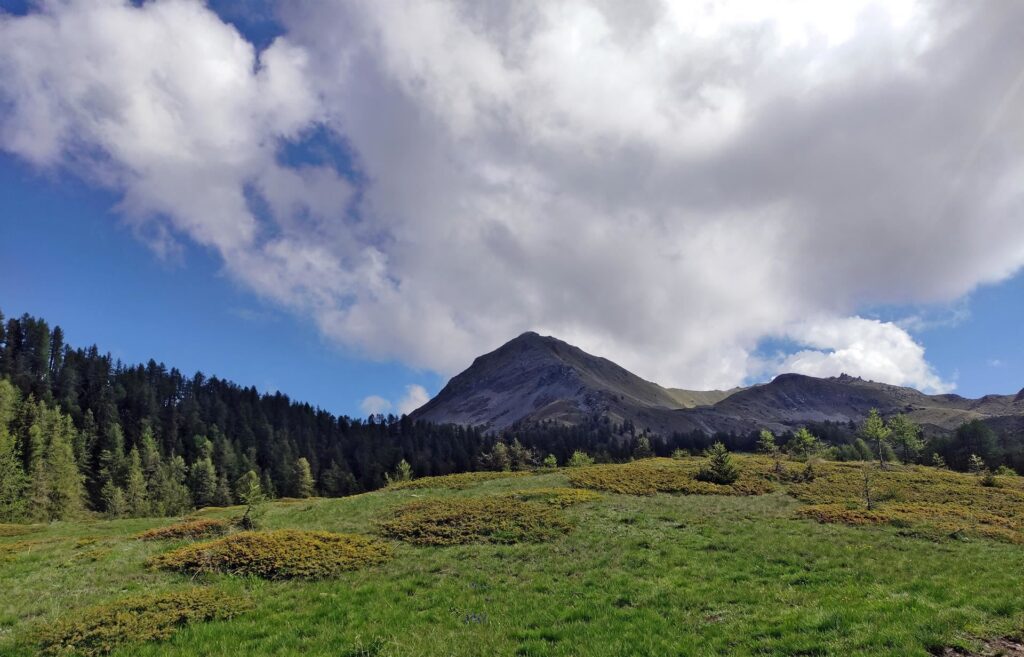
{"type": "Point", "coordinates": [79, 430]}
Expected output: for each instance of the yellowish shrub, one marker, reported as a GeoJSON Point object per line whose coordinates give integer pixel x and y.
{"type": "Point", "coordinates": [923, 500]}
{"type": "Point", "coordinates": [282, 554]}
{"type": "Point", "coordinates": [200, 528]}
{"type": "Point", "coordinates": [561, 497]}
{"type": "Point", "coordinates": [495, 519]}
{"type": "Point", "coordinates": [660, 475]}
{"type": "Point", "coordinates": [99, 630]}
{"type": "Point", "coordinates": [455, 481]}
{"type": "Point", "coordinates": [18, 530]}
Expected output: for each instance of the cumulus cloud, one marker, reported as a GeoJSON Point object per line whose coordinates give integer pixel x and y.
{"type": "Point", "coordinates": [415, 396]}
{"type": "Point", "coordinates": [666, 185]}
{"type": "Point", "coordinates": [374, 404]}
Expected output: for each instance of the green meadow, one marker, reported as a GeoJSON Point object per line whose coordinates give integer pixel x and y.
{"type": "Point", "coordinates": [774, 565]}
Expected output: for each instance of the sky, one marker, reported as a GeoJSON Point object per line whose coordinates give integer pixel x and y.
{"type": "Point", "coordinates": [348, 201]}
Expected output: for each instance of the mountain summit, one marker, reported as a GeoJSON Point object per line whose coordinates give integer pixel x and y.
{"type": "Point", "coordinates": [535, 378]}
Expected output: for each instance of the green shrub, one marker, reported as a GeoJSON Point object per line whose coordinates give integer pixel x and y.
{"type": "Point", "coordinates": [579, 460]}
{"type": "Point", "coordinates": [719, 468]}
{"type": "Point", "coordinates": [282, 554]}
{"type": "Point", "coordinates": [455, 481]}
{"type": "Point", "coordinates": [99, 630]}
{"type": "Point", "coordinates": [201, 528]}
{"type": "Point", "coordinates": [651, 476]}
{"type": "Point", "coordinates": [497, 519]}
{"type": "Point", "coordinates": [557, 496]}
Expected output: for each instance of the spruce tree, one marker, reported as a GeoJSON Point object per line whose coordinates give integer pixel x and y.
{"type": "Point", "coordinates": [719, 468]}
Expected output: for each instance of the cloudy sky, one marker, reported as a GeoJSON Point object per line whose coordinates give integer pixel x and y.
{"type": "Point", "coordinates": [350, 200]}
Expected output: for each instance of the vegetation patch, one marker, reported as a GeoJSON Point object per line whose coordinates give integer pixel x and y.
{"type": "Point", "coordinates": [561, 497]}
{"type": "Point", "coordinates": [201, 528]}
{"type": "Point", "coordinates": [18, 530]}
{"type": "Point", "coordinates": [495, 519]}
{"type": "Point", "coordinates": [456, 481]}
{"type": "Point", "coordinates": [99, 630]}
{"type": "Point", "coordinates": [923, 500]}
{"type": "Point", "coordinates": [660, 475]}
{"type": "Point", "coordinates": [282, 554]}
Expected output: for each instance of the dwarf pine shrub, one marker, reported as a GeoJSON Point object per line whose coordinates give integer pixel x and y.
{"type": "Point", "coordinates": [100, 629]}
{"type": "Point", "coordinates": [282, 554]}
{"type": "Point", "coordinates": [652, 476]}
{"type": "Point", "coordinates": [200, 528]}
{"type": "Point", "coordinates": [557, 496]}
{"type": "Point", "coordinates": [497, 519]}
{"type": "Point", "coordinates": [458, 481]}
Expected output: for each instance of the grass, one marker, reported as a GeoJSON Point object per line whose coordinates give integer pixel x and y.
{"type": "Point", "coordinates": [647, 574]}
{"type": "Point", "coordinates": [458, 481]}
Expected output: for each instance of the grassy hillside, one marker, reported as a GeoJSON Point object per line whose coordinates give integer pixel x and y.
{"type": "Point", "coordinates": [768, 566]}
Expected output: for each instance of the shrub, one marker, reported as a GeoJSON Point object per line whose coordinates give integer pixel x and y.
{"type": "Point", "coordinates": [100, 629]}
{"type": "Point", "coordinates": [561, 497]}
{"type": "Point", "coordinates": [579, 460]}
{"type": "Point", "coordinates": [497, 519]}
{"type": "Point", "coordinates": [652, 476]}
{"type": "Point", "coordinates": [455, 481]}
{"type": "Point", "coordinates": [550, 462]}
{"type": "Point", "coordinates": [283, 554]}
{"type": "Point", "coordinates": [201, 528]}
{"type": "Point", "coordinates": [18, 530]}
{"type": "Point", "coordinates": [918, 499]}
{"type": "Point", "coordinates": [719, 468]}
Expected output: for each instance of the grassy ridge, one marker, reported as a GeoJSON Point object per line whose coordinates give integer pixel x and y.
{"type": "Point", "coordinates": [656, 574]}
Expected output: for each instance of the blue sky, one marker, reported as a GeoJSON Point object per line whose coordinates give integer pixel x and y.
{"type": "Point", "coordinates": [65, 257]}
{"type": "Point", "coordinates": [341, 201]}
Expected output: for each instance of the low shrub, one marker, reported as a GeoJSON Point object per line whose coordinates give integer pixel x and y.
{"type": "Point", "coordinates": [18, 530]}
{"type": "Point", "coordinates": [560, 497]}
{"type": "Point", "coordinates": [924, 500]}
{"type": "Point", "coordinates": [200, 528]}
{"type": "Point", "coordinates": [497, 519]}
{"type": "Point", "coordinates": [650, 476]}
{"type": "Point", "coordinates": [282, 554]}
{"type": "Point", "coordinates": [99, 630]}
{"type": "Point", "coordinates": [455, 481]}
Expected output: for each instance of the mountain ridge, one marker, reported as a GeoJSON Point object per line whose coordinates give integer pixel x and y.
{"type": "Point", "coordinates": [534, 378]}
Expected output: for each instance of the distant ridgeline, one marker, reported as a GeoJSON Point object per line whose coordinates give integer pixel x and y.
{"type": "Point", "coordinates": [81, 432]}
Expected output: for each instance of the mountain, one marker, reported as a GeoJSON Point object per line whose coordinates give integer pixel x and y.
{"type": "Point", "coordinates": [534, 378]}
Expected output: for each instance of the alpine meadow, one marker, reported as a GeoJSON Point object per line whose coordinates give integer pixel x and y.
{"type": "Point", "coordinates": [550, 328]}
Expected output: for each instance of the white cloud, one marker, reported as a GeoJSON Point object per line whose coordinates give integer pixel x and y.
{"type": "Point", "coordinates": [869, 348]}
{"type": "Point", "coordinates": [374, 404]}
{"type": "Point", "coordinates": [415, 396]}
{"type": "Point", "coordinates": [666, 184]}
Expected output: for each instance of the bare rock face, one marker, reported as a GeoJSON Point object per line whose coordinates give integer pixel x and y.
{"type": "Point", "coordinates": [534, 378]}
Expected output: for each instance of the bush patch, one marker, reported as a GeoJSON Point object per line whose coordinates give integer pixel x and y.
{"type": "Point", "coordinates": [282, 554]}
{"type": "Point", "coordinates": [496, 519]}
{"type": "Point", "coordinates": [100, 629]}
{"type": "Point", "coordinates": [560, 497]}
{"type": "Point", "coordinates": [200, 528]}
{"type": "Point", "coordinates": [456, 481]}
{"type": "Point", "coordinates": [660, 475]}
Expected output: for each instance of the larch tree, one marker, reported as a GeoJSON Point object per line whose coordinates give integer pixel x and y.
{"type": "Point", "coordinates": [906, 435]}
{"type": "Point", "coordinates": [876, 433]}
{"type": "Point", "coordinates": [136, 495]}
{"type": "Point", "coordinates": [303, 478]}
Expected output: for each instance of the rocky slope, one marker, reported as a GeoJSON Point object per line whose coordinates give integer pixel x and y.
{"type": "Point", "coordinates": [534, 378]}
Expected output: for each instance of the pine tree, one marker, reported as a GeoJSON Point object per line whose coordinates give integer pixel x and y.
{"type": "Point", "coordinates": [719, 468]}
{"type": "Point", "coordinates": [303, 478]}
{"type": "Point", "coordinates": [136, 495]}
